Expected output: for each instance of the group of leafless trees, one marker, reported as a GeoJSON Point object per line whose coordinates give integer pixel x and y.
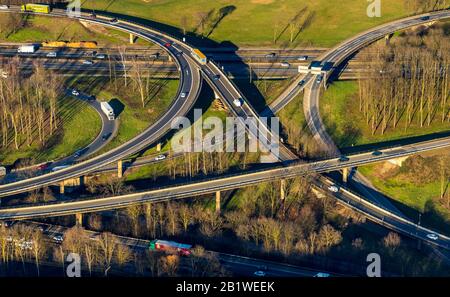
{"type": "Point", "coordinates": [28, 105]}
{"type": "Point", "coordinates": [292, 225]}
{"type": "Point", "coordinates": [410, 82]}
{"type": "Point", "coordinates": [296, 25]}
{"type": "Point", "coordinates": [26, 244]}
{"type": "Point", "coordinates": [10, 23]}
{"type": "Point", "coordinates": [135, 75]}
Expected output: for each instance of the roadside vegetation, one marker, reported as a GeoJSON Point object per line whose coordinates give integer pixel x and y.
{"type": "Point", "coordinates": [420, 185]}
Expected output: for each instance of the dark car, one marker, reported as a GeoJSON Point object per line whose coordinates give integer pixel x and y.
{"type": "Point", "coordinates": [106, 136]}
{"type": "Point", "coordinates": [425, 18]}
{"type": "Point", "coordinates": [114, 21]}
{"type": "Point", "coordinates": [377, 153]}
{"type": "Point", "coordinates": [343, 159]}
{"type": "Point", "coordinates": [92, 98]}
{"type": "Point", "coordinates": [167, 44]}
{"type": "Point", "coordinates": [43, 166]}
{"type": "Point", "coordinates": [216, 77]}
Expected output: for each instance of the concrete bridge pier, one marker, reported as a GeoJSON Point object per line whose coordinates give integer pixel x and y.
{"type": "Point", "coordinates": [218, 207]}
{"type": "Point", "coordinates": [387, 38]}
{"type": "Point", "coordinates": [119, 169]}
{"type": "Point", "coordinates": [132, 38]}
{"type": "Point", "coordinates": [61, 187]}
{"type": "Point", "coordinates": [79, 219]}
{"type": "Point", "coordinates": [345, 174]}
{"type": "Point", "coordinates": [282, 189]}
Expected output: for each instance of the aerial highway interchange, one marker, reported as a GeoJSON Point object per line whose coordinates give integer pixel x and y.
{"type": "Point", "coordinates": [191, 74]}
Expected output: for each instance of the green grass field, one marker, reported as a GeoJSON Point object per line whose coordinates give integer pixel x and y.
{"type": "Point", "coordinates": [252, 22]}
{"type": "Point", "coordinates": [133, 119]}
{"type": "Point", "coordinates": [40, 28]}
{"type": "Point", "coordinates": [346, 124]}
{"type": "Point", "coordinates": [80, 125]}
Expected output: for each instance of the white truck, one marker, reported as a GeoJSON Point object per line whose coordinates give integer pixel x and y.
{"type": "Point", "coordinates": [108, 110]}
{"type": "Point", "coordinates": [28, 49]}
{"type": "Point", "coordinates": [2, 171]}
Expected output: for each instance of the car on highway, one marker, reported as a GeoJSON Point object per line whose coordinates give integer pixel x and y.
{"type": "Point", "coordinates": [57, 168]}
{"type": "Point", "coordinates": [301, 83]}
{"type": "Point", "coordinates": [106, 136]}
{"type": "Point", "coordinates": [51, 55]}
{"type": "Point", "coordinates": [167, 44]}
{"type": "Point", "coordinates": [88, 62]}
{"type": "Point", "coordinates": [160, 157]}
{"type": "Point", "coordinates": [343, 159]}
{"type": "Point", "coordinates": [322, 274]}
{"type": "Point", "coordinates": [114, 21]}
{"type": "Point", "coordinates": [91, 98]}
{"type": "Point", "coordinates": [333, 188]}
{"type": "Point", "coordinates": [433, 236]}
{"type": "Point", "coordinates": [302, 58]}
{"type": "Point", "coordinates": [259, 273]}
{"type": "Point", "coordinates": [78, 154]}
{"type": "Point", "coordinates": [425, 18]}
{"type": "Point", "coordinates": [75, 93]}
{"type": "Point", "coordinates": [238, 102]}
{"type": "Point", "coordinates": [216, 77]}
{"type": "Point", "coordinates": [285, 64]}
{"type": "Point", "coordinates": [271, 55]}
{"type": "Point", "coordinates": [100, 56]}
{"type": "Point", "coordinates": [183, 95]}
{"type": "Point", "coordinates": [4, 7]}
{"type": "Point", "coordinates": [377, 153]}
{"type": "Point", "coordinates": [43, 166]}
{"type": "Point", "coordinates": [58, 238]}
{"type": "Point", "coordinates": [319, 78]}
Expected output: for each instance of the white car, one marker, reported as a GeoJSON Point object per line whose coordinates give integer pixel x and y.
{"type": "Point", "coordinates": [432, 236]}
{"type": "Point", "coordinates": [238, 102]}
{"type": "Point", "coordinates": [51, 55]}
{"type": "Point", "coordinates": [183, 95]}
{"type": "Point", "coordinates": [4, 7]}
{"type": "Point", "coordinates": [333, 189]}
{"type": "Point", "coordinates": [58, 238]}
{"type": "Point", "coordinates": [160, 157]}
{"type": "Point", "coordinates": [302, 58]}
{"type": "Point", "coordinates": [259, 273]}
{"type": "Point", "coordinates": [100, 56]}
{"type": "Point", "coordinates": [285, 64]}
{"type": "Point", "coordinates": [322, 274]}
{"type": "Point", "coordinates": [88, 62]}
{"type": "Point", "coordinates": [75, 93]}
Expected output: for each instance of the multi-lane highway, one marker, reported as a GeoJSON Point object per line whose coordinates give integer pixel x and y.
{"type": "Point", "coordinates": [219, 183]}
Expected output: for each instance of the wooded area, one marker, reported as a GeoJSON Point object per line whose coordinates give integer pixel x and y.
{"type": "Point", "coordinates": [410, 82]}
{"type": "Point", "coordinates": [28, 105]}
